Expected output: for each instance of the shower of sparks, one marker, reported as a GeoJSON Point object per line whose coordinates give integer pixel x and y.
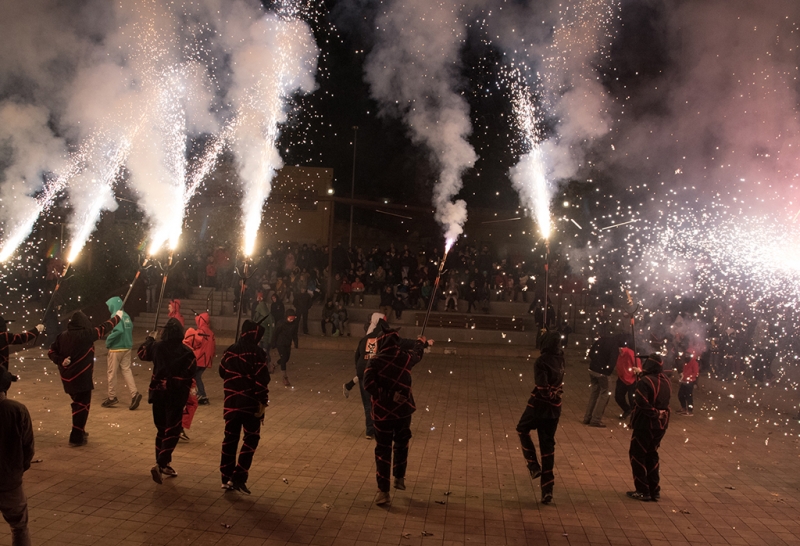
{"type": "Point", "coordinates": [263, 103]}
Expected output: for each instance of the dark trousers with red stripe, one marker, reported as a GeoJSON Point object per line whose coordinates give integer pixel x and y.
{"type": "Point", "coordinates": [81, 401]}
{"type": "Point", "coordinates": [644, 459]}
{"type": "Point", "coordinates": [167, 416]}
{"type": "Point", "coordinates": [391, 435]}
{"type": "Point", "coordinates": [236, 424]}
{"type": "Point", "coordinates": [546, 429]}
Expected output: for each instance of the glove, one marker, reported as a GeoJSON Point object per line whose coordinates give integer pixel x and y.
{"type": "Point", "coordinates": [40, 328]}
{"type": "Point", "coordinates": [118, 313]}
{"type": "Point", "coordinates": [66, 362]}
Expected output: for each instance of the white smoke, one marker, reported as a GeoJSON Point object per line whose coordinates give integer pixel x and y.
{"type": "Point", "coordinates": [413, 72]}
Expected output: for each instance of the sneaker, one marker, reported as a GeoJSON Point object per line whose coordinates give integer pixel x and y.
{"type": "Point", "coordinates": [83, 442]}
{"type": "Point", "coordinates": [286, 382]}
{"type": "Point", "coordinates": [382, 498]}
{"type": "Point", "coordinates": [626, 414]}
{"type": "Point", "coordinates": [227, 486]}
{"type": "Point", "coordinates": [241, 487]}
{"type": "Point", "coordinates": [156, 473]}
{"type": "Point", "coordinates": [400, 484]}
{"type": "Point", "coordinates": [203, 401]}
{"type": "Point", "coordinates": [547, 498]}
{"type": "Point", "coordinates": [184, 436]}
{"type": "Point", "coordinates": [335, 333]}
{"type": "Point", "coordinates": [369, 436]}
{"type": "Point", "coordinates": [536, 472]}
{"type": "Point", "coordinates": [135, 401]}
{"type": "Point", "coordinates": [597, 425]}
{"type": "Point", "coordinates": [639, 496]}
{"type": "Point", "coordinates": [110, 402]}
{"type": "Point", "coordinates": [345, 391]}
{"type": "Point", "coordinates": [681, 411]}
{"type": "Point", "coordinates": [169, 471]}
{"type": "Point", "coordinates": [688, 414]}
{"type": "Point", "coordinates": [656, 496]}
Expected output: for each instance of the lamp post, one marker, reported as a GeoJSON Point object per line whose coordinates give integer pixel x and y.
{"type": "Point", "coordinates": [352, 187]}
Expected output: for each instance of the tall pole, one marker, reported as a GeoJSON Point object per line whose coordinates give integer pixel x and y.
{"type": "Point", "coordinates": [546, 280]}
{"type": "Point", "coordinates": [433, 292]}
{"type": "Point", "coordinates": [353, 187]}
{"type": "Point", "coordinates": [163, 286]}
{"type": "Point", "coordinates": [136, 278]}
{"type": "Point", "coordinates": [243, 280]}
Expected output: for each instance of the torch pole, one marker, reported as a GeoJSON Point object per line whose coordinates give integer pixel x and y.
{"type": "Point", "coordinates": [55, 291]}
{"type": "Point", "coordinates": [546, 280]}
{"type": "Point", "coordinates": [243, 280]}
{"type": "Point", "coordinates": [433, 292]}
{"type": "Point", "coordinates": [130, 289]}
{"type": "Point", "coordinates": [163, 287]}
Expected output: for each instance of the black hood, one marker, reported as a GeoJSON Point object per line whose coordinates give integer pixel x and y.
{"type": "Point", "coordinates": [252, 331]}
{"type": "Point", "coordinates": [172, 330]}
{"type": "Point", "coordinates": [79, 321]}
{"type": "Point", "coordinates": [551, 343]}
{"type": "Point", "coordinates": [6, 379]}
{"type": "Point", "coordinates": [652, 364]}
{"type": "Point", "coordinates": [3, 324]}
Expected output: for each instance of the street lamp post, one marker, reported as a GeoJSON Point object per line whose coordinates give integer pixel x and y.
{"type": "Point", "coordinates": [352, 187]}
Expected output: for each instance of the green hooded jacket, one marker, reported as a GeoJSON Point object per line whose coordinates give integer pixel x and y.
{"type": "Point", "coordinates": [121, 337]}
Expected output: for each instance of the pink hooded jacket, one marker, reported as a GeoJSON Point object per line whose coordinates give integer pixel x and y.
{"type": "Point", "coordinates": [201, 340]}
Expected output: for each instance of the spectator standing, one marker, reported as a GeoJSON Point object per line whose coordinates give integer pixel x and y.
{"type": "Point", "coordinates": [691, 370]}
{"type": "Point", "coordinates": [602, 360]}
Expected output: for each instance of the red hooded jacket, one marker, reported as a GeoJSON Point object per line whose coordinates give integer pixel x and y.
{"type": "Point", "coordinates": [176, 312]}
{"type": "Point", "coordinates": [201, 340]}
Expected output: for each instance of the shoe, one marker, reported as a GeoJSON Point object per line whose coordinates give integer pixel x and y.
{"type": "Point", "coordinates": [79, 444]}
{"type": "Point", "coordinates": [156, 473]}
{"type": "Point", "coordinates": [135, 401]}
{"type": "Point", "coordinates": [241, 487]}
{"type": "Point", "coordinates": [335, 334]}
{"type": "Point", "coordinates": [382, 498]}
{"type": "Point", "coordinates": [286, 382]}
{"type": "Point", "coordinates": [169, 471]}
{"type": "Point", "coordinates": [680, 411]}
{"type": "Point", "coordinates": [400, 484]}
{"type": "Point", "coordinates": [110, 402]}
{"type": "Point", "coordinates": [536, 472]}
{"type": "Point", "coordinates": [626, 414]}
{"type": "Point", "coordinates": [639, 496]}
{"type": "Point", "coordinates": [597, 425]}
{"type": "Point", "coordinates": [688, 414]}
{"type": "Point", "coordinates": [227, 486]}
{"type": "Point", "coordinates": [184, 436]}
{"type": "Point", "coordinates": [345, 391]}
{"type": "Point", "coordinates": [370, 436]}
{"type": "Point", "coordinates": [586, 422]}
{"type": "Point", "coordinates": [656, 496]}
{"type": "Point", "coordinates": [547, 498]}
{"type": "Point", "coordinates": [203, 401]}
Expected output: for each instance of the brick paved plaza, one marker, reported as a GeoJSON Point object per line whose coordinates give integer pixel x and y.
{"type": "Point", "coordinates": [728, 480]}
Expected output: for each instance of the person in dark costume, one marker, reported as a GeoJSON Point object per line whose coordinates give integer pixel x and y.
{"type": "Point", "coordinates": [7, 338]}
{"type": "Point", "coordinates": [73, 353]}
{"type": "Point", "coordinates": [364, 352]}
{"type": "Point", "coordinates": [649, 423]}
{"type": "Point", "coordinates": [245, 375]}
{"type": "Point", "coordinates": [543, 411]}
{"type": "Point", "coordinates": [174, 368]}
{"type": "Point", "coordinates": [282, 337]}
{"type": "Point", "coordinates": [387, 378]}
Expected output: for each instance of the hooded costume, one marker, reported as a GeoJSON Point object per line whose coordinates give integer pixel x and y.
{"type": "Point", "coordinates": [387, 378]}
{"type": "Point", "coordinates": [202, 342]}
{"type": "Point", "coordinates": [174, 366]}
{"type": "Point", "coordinates": [245, 375]}
{"type": "Point", "coordinates": [543, 411]}
{"type": "Point", "coordinates": [77, 344]}
{"type": "Point", "coordinates": [7, 339]}
{"type": "Point", "coordinates": [649, 423]}
{"type": "Point", "coordinates": [285, 332]}
{"type": "Point", "coordinates": [628, 366]}
{"type": "Point", "coordinates": [176, 312]}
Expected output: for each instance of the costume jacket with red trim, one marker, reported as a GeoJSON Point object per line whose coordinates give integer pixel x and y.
{"type": "Point", "coordinates": [548, 376]}
{"type": "Point", "coordinates": [245, 374]}
{"type": "Point", "coordinates": [651, 400]}
{"type": "Point", "coordinates": [77, 343]}
{"type": "Point", "coordinates": [7, 338]}
{"type": "Point", "coordinates": [387, 376]}
{"type": "Point", "coordinates": [174, 364]}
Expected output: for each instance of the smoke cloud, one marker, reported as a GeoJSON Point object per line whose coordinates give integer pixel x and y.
{"type": "Point", "coordinates": [413, 73]}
